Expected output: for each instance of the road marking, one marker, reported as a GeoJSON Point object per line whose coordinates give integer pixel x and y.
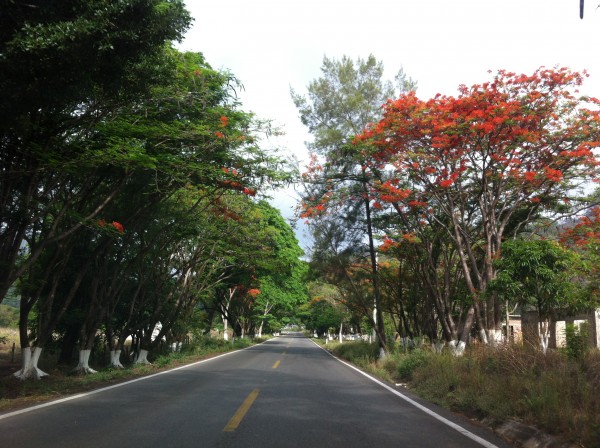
{"type": "Point", "coordinates": [241, 412]}
{"type": "Point", "coordinates": [425, 409]}
{"type": "Point", "coordinates": [276, 364]}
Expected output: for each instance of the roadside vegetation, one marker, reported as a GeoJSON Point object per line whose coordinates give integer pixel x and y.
{"type": "Point", "coordinates": [469, 221]}
{"type": "Point", "coordinates": [61, 382]}
{"type": "Point", "coordinates": [554, 392]}
{"type": "Point", "coordinates": [134, 190]}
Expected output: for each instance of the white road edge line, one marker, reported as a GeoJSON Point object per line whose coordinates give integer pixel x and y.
{"type": "Point", "coordinates": [114, 386]}
{"type": "Point", "coordinates": [444, 420]}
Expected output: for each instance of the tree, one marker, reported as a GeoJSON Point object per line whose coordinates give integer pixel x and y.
{"type": "Point", "coordinates": [282, 279]}
{"type": "Point", "coordinates": [542, 274]}
{"type": "Point", "coordinates": [340, 104]}
{"type": "Point", "coordinates": [493, 158]}
{"type": "Point", "coordinates": [65, 67]}
{"type": "Point", "coordinates": [188, 142]}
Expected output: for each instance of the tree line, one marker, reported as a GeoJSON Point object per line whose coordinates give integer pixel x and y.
{"type": "Point", "coordinates": [434, 218]}
{"type": "Point", "coordinates": [131, 185]}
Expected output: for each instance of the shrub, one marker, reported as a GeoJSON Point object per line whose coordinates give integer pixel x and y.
{"type": "Point", "coordinates": [357, 352]}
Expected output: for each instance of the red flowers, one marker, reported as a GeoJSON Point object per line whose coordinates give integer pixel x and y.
{"type": "Point", "coordinates": [553, 175]}
{"type": "Point", "coordinates": [118, 226]}
{"type": "Point", "coordinates": [224, 121]}
{"type": "Point", "coordinates": [219, 134]}
{"type": "Point", "coordinates": [115, 224]}
{"type": "Point", "coordinates": [253, 292]}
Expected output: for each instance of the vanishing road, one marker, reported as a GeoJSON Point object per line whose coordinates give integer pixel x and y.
{"type": "Point", "coordinates": [286, 392]}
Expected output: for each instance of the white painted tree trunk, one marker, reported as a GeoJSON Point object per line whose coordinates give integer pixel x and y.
{"type": "Point", "coordinates": [438, 347]}
{"type": "Point", "coordinates": [341, 332]}
{"type": "Point", "coordinates": [483, 336]}
{"type": "Point", "coordinates": [115, 359]}
{"type": "Point", "coordinates": [457, 348]}
{"type": "Point", "coordinates": [142, 357]}
{"type": "Point", "coordinates": [29, 368]}
{"type": "Point", "coordinates": [495, 337]}
{"type": "Point", "coordinates": [544, 340]}
{"type": "Point", "coordinates": [84, 363]}
{"type": "Point", "coordinates": [225, 333]}
{"type": "Point", "coordinates": [260, 330]}
{"type": "Point", "coordinates": [544, 336]}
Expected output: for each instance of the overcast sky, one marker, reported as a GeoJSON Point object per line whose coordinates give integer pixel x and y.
{"type": "Point", "coordinates": [272, 45]}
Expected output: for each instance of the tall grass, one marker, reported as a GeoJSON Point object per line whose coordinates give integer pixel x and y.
{"type": "Point", "coordinates": [554, 392]}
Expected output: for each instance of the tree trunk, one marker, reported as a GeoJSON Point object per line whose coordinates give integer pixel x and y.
{"type": "Point", "coordinates": [83, 367]}
{"type": "Point", "coordinates": [142, 357]}
{"type": "Point", "coordinates": [29, 368]}
{"type": "Point", "coordinates": [225, 329]}
{"type": "Point", "coordinates": [378, 324]}
{"type": "Point", "coordinates": [544, 335]}
{"type": "Point", "coordinates": [260, 328]}
{"type": "Point", "coordinates": [115, 361]}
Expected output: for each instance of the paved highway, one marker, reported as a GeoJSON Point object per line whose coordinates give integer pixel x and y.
{"type": "Point", "coordinates": [287, 392]}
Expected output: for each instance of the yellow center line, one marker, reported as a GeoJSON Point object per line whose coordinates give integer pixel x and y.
{"type": "Point", "coordinates": [241, 412]}
{"type": "Point", "coordinates": [276, 364]}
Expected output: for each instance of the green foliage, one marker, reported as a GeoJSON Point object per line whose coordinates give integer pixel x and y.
{"type": "Point", "coordinates": [577, 340]}
{"type": "Point", "coordinates": [539, 273]}
{"type": "Point", "coordinates": [345, 99]}
{"type": "Point", "coordinates": [408, 363]}
{"type": "Point", "coordinates": [57, 56]}
{"type": "Point", "coordinates": [9, 316]}
{"type": "Point", "coordinates": [321, 315]}
{"type": "Point", "coordinates": [360, 353]}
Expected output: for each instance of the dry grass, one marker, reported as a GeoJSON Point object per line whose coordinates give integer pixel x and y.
{"type": "Point", "coordinates": [553, 392]}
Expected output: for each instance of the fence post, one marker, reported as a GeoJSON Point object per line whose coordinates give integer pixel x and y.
{"type": "Point", "coordinates": [12, 356]}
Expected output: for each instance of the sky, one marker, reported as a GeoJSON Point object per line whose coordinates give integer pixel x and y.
{"type": "Point", "coordinates": [272, 45]}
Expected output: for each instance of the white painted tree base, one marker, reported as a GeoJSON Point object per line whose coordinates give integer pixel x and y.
{"type": "Point", "coordinates": [83, 367]}
{"type": "Point", "coordinates": [544, 342]}
{"type": "Point", "coordinates": [142, 357]}
{"type": "Point", "coordinates": [457, 348]}
{"type": "Point", "coordinates": [438, 347]}
{"type": "Point", "coordinates": [115, 361]}
{"type": "Point", "coordinates": [29, 368]}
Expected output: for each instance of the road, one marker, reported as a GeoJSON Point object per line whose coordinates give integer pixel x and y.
{"type": "Point", "coordinates": [286, 392]}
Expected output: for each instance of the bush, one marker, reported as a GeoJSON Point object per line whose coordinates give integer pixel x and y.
{"type": "Point", "coordinates": [412, 361]}
{"type": "Point", "coordinates": [577, 339]}
{"type": "Point", "coordinates": [9, 316]}
{"type": "Point", "coordinates": [359, 353]}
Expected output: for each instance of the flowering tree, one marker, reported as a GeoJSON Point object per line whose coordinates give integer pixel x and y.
{"type": "Point", "coordinates": [486, 162]}
{"type": "Point", "coordinates": [340, 104]}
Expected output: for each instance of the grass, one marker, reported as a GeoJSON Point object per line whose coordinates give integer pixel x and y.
{"type": "Point", "coordinates": [555, 392]}
{"type": "Point", "coordinates": [15, 394]}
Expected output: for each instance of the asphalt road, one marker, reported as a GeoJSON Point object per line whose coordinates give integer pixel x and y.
{"type": "Point", "coordinates": [286, 392]}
